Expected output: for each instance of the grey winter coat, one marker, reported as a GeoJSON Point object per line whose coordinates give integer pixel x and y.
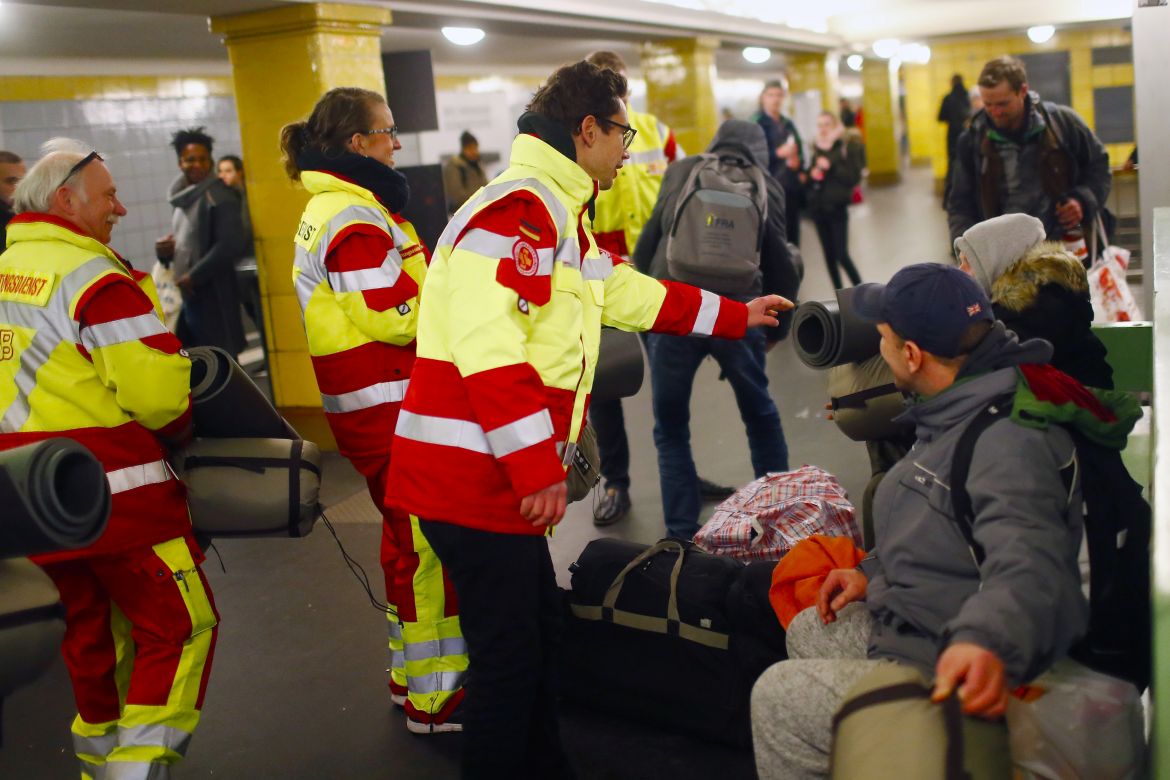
{"type": "Point", "coordinates": [1021, 187]}
{"type": "Point", "coordinates": [209, 239]}
{"type": "Point", "coordinates": [780, 273]}
{"type": "Point", "coordinates": [925, 591]}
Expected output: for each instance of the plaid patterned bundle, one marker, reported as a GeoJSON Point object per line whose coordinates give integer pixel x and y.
{"type": "Point", "coordinates": [764, 519]}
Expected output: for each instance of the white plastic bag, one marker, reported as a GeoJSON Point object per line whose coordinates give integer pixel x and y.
{"type": "Point", "coordinates": [1077, 723]}
{"type": "Point", "coordinates": [169, 296]}
{"type": "Point", "coordinates": [1108, 288]}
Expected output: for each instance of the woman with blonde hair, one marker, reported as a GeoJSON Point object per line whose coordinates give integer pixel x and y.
{"type": "Point", "coordinates": [834, 170]}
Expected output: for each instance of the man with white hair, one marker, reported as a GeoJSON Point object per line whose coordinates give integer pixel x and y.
{"type": "Point", "coordinates": [86, 356]}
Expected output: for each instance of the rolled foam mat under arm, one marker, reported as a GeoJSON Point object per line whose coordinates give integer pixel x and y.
{"type": "Point", "coordinates": [55, 497]}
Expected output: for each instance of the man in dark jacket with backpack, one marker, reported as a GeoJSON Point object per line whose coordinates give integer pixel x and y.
{"type": "Point", "coordinates": [979, 606]}
{"type": "Point", "coordinates": [1024, 155]}
{"type": "Point", "coordinates": [720, 222]}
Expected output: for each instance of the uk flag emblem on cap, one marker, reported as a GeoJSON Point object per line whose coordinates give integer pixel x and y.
{"type": "Point", "coordinates": [974, 309]}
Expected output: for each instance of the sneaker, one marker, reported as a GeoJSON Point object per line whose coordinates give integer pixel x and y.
{"type": "Point", "coordinates": [397, 694]}
{"type": "Point", "coordinates": [446, 721]}
{"type": "Point", "coordinates": [614, 505]}
{"type": "Point", "coordinates": [709, 491]}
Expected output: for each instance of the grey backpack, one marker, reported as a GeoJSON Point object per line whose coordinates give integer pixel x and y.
{"type": "Point", "coordinates": [718, 227]}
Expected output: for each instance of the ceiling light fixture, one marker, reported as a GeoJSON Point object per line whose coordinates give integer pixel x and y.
{"type": "Point", "coordinates": [855, 61]}
{"type": "Point", "coordinates": [914, 53]}
{"type": "Point", "coordinates": [463, 36]}
{"type": "Point", "coordinates": [757, 54]}
{"type": "Point", "coordinates": [886, 47]}
{"type": "Point", "coordinates": [1041, 33]}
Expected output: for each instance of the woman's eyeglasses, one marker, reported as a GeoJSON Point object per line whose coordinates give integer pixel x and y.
{"type": "Point", "coordinates": [390, 131]}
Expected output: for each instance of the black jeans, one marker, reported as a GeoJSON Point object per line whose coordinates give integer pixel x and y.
{"type": "Point", "coordinates": [833, 230]}
{"type": "Point", "coordinates": [510, 610]}
{"type": "Point", "coordinates": [609, 423]}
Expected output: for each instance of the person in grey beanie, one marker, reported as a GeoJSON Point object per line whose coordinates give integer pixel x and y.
{"type": "Point", "coordinates": [987, 248]}
{"type": "Point", "coordinates": [1038, 290]}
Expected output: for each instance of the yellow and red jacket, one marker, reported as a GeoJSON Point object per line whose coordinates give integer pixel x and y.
{"type": "Point", "coordinates": [622, 210]}
{"type": "Point", "coordinates": [508, 335]}
{"type": "Point", "coordinates": [357, 273]}
{"type": "Point", "coordinates": [84, 354]}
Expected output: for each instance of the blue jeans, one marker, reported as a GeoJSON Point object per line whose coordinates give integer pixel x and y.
{"type": "Point", "coordinates": [673, 363]}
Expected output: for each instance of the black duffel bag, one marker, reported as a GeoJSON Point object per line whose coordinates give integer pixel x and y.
{"type": "Point", "coordinates": [650, 637]}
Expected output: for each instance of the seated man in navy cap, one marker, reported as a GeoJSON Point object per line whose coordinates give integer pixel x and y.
{"type": "Point", "coordinates": [920, 598]}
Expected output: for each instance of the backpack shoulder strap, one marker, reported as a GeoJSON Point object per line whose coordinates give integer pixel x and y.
{"type": "Point", "coordinates": [702, 161]}
{"type": "Point", "coordinates": [961, 468]}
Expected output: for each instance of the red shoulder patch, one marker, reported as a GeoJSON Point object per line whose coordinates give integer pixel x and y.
{"type": "Point", "coordinates": [527, 261]}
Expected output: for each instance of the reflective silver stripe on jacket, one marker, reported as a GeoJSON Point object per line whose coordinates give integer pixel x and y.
{"type": "Point", "coordinates": [142, 475]}
{"type": "Point", "coordinates": [521, 434]}
{"type": "Point", "coordinates": [464, 434]}
{"type": "Point", "coordinates": [648, 158]}
{"type": "Point", "coordinates": [312, 264]}
{"type": "Point", "coordinates": [569, 253]}
{"type": "Point", "coordinates": [435, 648]}
{"type": "Point", "coordinates": [494, 191]}
{"type": "Point", "coordinates": [488, 244]}
{"type": "Point", "coordinates": [596, 268]}
{"type": "Point", "coordinates": [435, 682]}
{"type": "Point", "coordinates": [366, 397]}
{"type": "Point", "coordinates": [446, 431]}
{"type": "Point", "coordinates": [54, 324]}
{"type": "Point", "coordinates": [383, 277]}
{"type": "Point", "coordinates": [708, 313]}
{"type": "Point", "coordinates": [107, 334]}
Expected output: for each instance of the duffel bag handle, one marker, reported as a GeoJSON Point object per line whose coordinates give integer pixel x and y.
{"type": "Point", "coordinates": [615, 587]}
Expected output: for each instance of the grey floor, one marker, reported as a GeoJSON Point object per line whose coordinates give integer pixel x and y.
{"type": "Point", "coordinates": [298, 686]}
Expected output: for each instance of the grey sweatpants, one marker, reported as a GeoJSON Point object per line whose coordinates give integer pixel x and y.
{"type": "Point", "coordinates": [793, 702]}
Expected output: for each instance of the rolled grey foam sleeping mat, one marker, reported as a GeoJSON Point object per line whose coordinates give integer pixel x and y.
{"type": "Point", "coordinates": [829, 333]}
{"type": "Point", "coordinates": [865, 401]}
{"type": "Point", "coordinates": [620, 365]}
{"type": "Point", "coordinates": [55, 497]}
{"type": "Point", "coordinates": [32, 623]}
{"type": "Point", "coordinates": [251, 487]}
{"type": "Point", "coordinates": [227, 403]}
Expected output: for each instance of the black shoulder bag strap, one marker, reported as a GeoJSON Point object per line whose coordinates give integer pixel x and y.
{"type": "Point", "coordinates": [961, 468]}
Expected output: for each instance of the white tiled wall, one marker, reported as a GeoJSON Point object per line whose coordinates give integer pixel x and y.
{"type": "Point", "coordinates": [134, 138]}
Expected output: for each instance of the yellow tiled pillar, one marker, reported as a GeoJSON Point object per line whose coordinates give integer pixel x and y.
{"type": "Point", "coordinates": [680, 88]}
{"type": "Point", "coordinates": [808, 71]}
{"type": "Point", "coordinates": [283, 60]}
{"type": "Point", "coordinates": [879, 80]}
{"type": "Point", "coordinates": [927, 136]}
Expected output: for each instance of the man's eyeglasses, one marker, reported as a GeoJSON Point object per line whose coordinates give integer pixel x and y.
{"type": "Point", "coordinates": [390, 131]}
{"type": "Point", "coordinates": [628, 132]}
{"type": "Point", "coordinates": [84, 161]}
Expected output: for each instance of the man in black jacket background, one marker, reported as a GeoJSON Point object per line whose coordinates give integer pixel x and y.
{"type": "Point", "coordinates": [1024, 155]}
{"type": "Point", "coordinates": [674, 360]}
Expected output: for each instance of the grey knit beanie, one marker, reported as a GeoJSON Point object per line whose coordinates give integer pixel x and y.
{"type": "Point", "coordinates": [994, 244]}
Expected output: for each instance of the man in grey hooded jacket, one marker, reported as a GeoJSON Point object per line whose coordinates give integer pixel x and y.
{"type": "Point", "coordinates": [977, 629]}
{"type": "Point", "coordinates": [674, 360]}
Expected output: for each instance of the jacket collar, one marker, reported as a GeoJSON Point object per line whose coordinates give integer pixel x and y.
{"type": "Point", "coordinates": [363, 176]}
{"type": "Point", "coordinates": [571, 178]}
{"type": "Point", "coordinates": [35, 226]}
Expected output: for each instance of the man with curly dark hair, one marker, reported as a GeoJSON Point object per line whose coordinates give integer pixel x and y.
{"type": "Point", "coordinates": [516, 294]}
{"type": "Point", "coordinates": [207, 239]}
